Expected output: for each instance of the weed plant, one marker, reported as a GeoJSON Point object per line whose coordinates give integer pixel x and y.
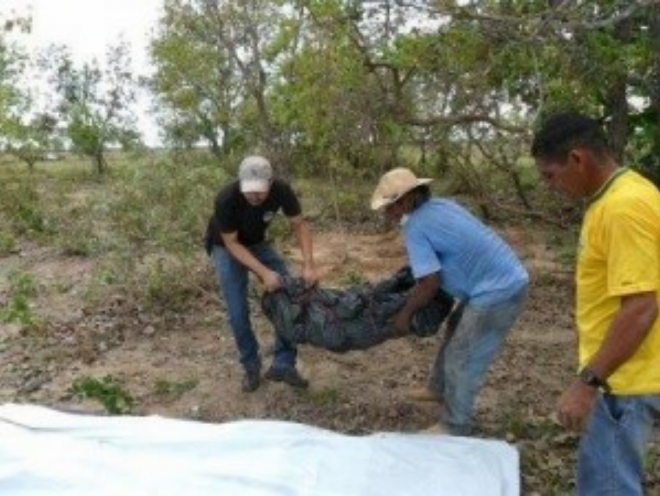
{"type": "Point", "coordinates": [107, 390]}
{"type": "Point", "coordinates": [18, 308]}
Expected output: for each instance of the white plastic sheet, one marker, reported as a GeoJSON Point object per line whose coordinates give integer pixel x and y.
{"type": "Point", "coordinates": [47, 452]}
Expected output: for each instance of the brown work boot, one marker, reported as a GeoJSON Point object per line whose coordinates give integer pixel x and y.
{"type": "Point", "coordinates": [425, 395]}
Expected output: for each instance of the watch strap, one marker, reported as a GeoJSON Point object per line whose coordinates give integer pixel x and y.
{"type": "Point", "coordinates": [590, 378]}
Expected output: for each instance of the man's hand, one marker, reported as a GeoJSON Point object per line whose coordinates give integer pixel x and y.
{"type": "Point", "coordinates": [272, 281]}
{"type": "Point", "coordinates": [575, 405]}
{"type": "Point", "coordinates": [310, 276]}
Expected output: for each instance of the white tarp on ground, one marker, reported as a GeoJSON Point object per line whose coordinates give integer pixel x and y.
{"type": "Point", "coordinates": [47, 452]}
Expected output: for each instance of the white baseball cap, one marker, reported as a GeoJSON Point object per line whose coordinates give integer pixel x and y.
{"type": "Point", "coordinates": [255, 174]}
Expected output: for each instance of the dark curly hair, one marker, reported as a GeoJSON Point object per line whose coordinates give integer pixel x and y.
{"type": "Point", "coordinates": [564, 131]}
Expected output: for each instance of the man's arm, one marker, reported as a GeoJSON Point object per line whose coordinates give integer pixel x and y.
{"type": "Point", "coordinates": [270, 278]}
{"type": "Point", "coordinates": [303, 236]}
{"type": "Point", "coordinates": [630, 327]}
{"type": "Point", "coordinates": [421, 294]}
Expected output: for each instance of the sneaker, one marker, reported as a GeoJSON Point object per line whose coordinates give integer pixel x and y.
{"type": "Point", "coordinates": [289, 376]}
{"type": "Point", "coordinates": [424, 394]}
{"type": "Point", "coordinates": [251, 380]}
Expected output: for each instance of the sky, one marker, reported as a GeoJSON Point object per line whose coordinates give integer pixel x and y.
{"type": "Point", "coordinates": [88, 27]}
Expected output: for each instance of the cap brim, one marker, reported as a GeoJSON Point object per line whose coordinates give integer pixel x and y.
{"type": "Point", "coordinates": [255, 186]}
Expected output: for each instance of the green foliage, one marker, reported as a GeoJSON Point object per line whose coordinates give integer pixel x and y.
{"type": "Point", "coordinates": [107, 390]}
{"type": "Point", "coordinates": [161, 204]}
{"type": "Point", "coordinates": [8, 243]}
{"type": "Point", "coordinates": [278, 230]}
{"type": "Point", "coordinates": [565, 245]}
{"type": "Point", "coordinates": [652, 463]}
{"type": "Point", "coordinates": [95, 103]}
{"type": "Point", "coordinates": [326, 397]}
{"type": "Point", "coordinates": [18, 308]}
{"type": "Point", "coordinates": [166, 284]}
{"type": "Point", "coordinates": [352, 278]}
{"type": "Point", "coordinates": [76, 236]}
{"type": "Point", "coordinates": [173, 390]}
{"type": "Point", "coordinates": [32, 141]}
{"type": "Point", "coordinates": [21, 208]}
{"type": "Point", "coordinates": [350, 86]}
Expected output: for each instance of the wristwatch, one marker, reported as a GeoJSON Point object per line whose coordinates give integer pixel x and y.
{"type": "Point", "coordinates": [592, 379]}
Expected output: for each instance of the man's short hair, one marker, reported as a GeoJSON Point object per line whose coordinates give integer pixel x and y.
{"type": "Point", "coordinates": [564, 131]}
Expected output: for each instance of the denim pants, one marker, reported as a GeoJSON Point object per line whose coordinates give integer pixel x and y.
{"type": "Point", "coordinates": [232, 277]}
{"type": "Point", "coordinates": [612, 447]}
{"type": "Point", "coordinates": [473, 337]}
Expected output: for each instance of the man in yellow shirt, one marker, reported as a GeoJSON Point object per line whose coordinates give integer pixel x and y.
{"type": "Point", "coordinates": [615, 397]}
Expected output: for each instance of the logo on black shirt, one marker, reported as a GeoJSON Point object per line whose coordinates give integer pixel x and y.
{"type": "Point", "coordinates": [268, 216]}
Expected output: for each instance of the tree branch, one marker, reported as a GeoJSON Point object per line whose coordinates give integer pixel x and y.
{"type": "Point", "coordinates": [453, 120]}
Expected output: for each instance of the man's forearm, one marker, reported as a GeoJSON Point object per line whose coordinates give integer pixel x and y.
{"type": "Point", "coordinates": [244, 257]}
{"type": "Point", "coordinates": [627, 332]}
{"type": "Point", "coordinates": [423, 292]}
{"type": "Point", "coordinates": [304, 239]}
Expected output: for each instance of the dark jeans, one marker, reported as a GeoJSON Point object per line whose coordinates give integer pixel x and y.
{"type": "Point", "coordinates": [232, 279]}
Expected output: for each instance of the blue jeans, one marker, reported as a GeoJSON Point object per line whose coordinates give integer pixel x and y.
{"type": "Point", "coordinates": [474, 336]}
{"type": "Point", "coordinates": [232, 277]}
{"type": "Point", "coordinates": [612, 447]}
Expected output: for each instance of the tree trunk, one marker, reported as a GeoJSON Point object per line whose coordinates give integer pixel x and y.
{"type": "Point", "coordinates": [100, 162]}
{"type": "Point", "coordinates": [655, 79]}
{"type": "Point", "coordinates": [616, 101]}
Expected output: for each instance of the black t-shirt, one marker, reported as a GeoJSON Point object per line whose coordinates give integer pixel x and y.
{"type": "Point", "coordinates": [233, 213]}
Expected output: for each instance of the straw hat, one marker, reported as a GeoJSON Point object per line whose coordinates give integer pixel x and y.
{"type": "Point", "coordinates": [393, 185]}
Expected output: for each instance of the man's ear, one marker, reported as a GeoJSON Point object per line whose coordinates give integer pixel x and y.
{"type": "Point", "coordinates": [579, 157]}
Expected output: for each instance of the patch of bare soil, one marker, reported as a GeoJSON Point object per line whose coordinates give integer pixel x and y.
{"type": "Point", "coordinates": [186, 366]}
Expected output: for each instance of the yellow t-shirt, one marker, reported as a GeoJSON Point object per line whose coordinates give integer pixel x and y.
{"type": "Point", "coordinates": [619, 254]}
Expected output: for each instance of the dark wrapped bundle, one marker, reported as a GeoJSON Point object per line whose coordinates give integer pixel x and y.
{"type": "Point", "coordinates": [356, 318]}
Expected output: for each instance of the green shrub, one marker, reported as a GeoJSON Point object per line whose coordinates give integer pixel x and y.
{"type": "Point", "coordinates": [21, 206]}
{"type": "Point", "coordinates": [8, 241]}
{"type": "Point", "coordinates": [164, 205]}
{"type": "Point", "coordinates": [174, 389]}
{"type": "Point", "coordinates": [108, 391]}
{"type": "Point", "coordinates": [18, 308]}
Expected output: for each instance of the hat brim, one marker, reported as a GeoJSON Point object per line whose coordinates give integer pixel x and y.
{"type": "Point", "coordinates": [255, 185]}
{"type": "Point", "coordinates": [379, 201]}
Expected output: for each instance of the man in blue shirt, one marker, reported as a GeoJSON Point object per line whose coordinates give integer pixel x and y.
{"type": "Point", "coordinates": [450, 248]}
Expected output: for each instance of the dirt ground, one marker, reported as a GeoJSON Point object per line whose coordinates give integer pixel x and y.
{"type": "Point", "coordinates": [186, 366]}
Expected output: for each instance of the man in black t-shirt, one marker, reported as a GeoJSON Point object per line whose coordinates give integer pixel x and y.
{"type": "Point", "coordinates": [235, 239]}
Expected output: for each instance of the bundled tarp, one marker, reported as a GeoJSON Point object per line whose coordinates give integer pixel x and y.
{"type": "Point", "coordinates": [356, 318]}
{"type": "Point", "coordinates": [44, 452]}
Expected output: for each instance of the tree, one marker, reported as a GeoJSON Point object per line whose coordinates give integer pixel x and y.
{"type": "Point", "coordinates": [196, 89]}
{"type": "Point", "coordinates": [452, 86]}
{"type": "Point", "coordinates": [33, 141]}
{"type": "Point", "coordinates": [95, 103]}
{"type": "Point", "coordinates": [216, 62]}
{"type": "Point", "coordinates": [13, 99]}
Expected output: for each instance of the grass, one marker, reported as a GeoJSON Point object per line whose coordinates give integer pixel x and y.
{"type": "Point", "coordinates": [144, 221]}
{"type": "Point", "coordinates": [18, 308]}
{"type": "Point", "coordinates": [173, 390]}
{"type": "Point", "coordinates": [565, 245]}
{"type": "Point", "coordinates": [107, 390]}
